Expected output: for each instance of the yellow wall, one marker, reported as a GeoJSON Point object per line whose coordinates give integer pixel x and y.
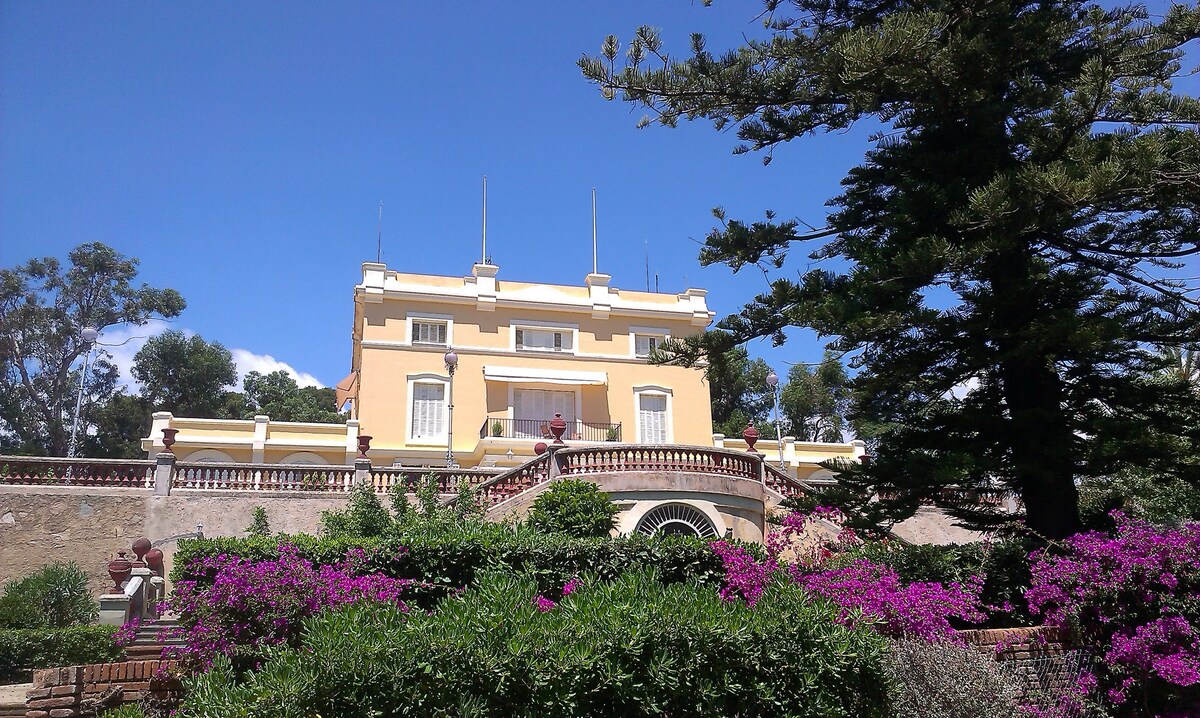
{"type": "Point", "coordinates": [485, 338]}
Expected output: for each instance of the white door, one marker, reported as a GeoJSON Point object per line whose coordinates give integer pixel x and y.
{"type": "Point", "coordinates": [534, 407]}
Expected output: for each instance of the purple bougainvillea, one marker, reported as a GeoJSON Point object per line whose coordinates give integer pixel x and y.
{"type": "Point", "coordinates": [863, 590]}
{"type": "Point", "coordinates": [253, 604]}
{"type": "Point", "coordinates": [1136, 596]}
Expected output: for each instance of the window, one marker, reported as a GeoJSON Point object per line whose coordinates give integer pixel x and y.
{"type": "Point", "coordinates": [652, 419]}
{"type": "Point", "coordinates": [428, 332]}
{"type": "Point", "coordinates": [544, 340]}
{"type": "Point", "coordinates": [428, 411]}
{"type": "Point", "coordinates": [645, 344]}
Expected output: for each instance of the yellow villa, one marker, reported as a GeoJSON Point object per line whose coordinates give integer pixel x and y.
{"type": "Point", "coordinates": [518, 353]}
{"type": "Point", "coordinates": [468, 377]}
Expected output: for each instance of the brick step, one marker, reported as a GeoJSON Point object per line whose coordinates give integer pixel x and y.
{"type": "Point", "coordinates": [12, 710]}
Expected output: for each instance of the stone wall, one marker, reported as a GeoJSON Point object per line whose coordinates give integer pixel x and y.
{"type": "Point", "coordinates": [43, 524]}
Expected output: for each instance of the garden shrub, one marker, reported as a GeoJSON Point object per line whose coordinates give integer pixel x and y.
{"type": "Point", "coordinates": [364, 515]}
{"type": "Point", "coordinates": [447, 557]}
{"type": "Point", "coordinates": [22, 650]}
{"type": "Point", "coordinates": [941, 680]}
{"type": "Point", "coordinates": [1135, 596]}
{"type": "Point", "coordinates": [573, 507]}
{"type": "Point", "coordinates": [56, 596]}
{"type": "Point", "coordinates": [635, 646]}
{"type": "Point", "coordinates": [259, 526]}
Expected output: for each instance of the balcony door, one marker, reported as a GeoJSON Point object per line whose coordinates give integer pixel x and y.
{"type": "Point", "coordinates": [533, 408]}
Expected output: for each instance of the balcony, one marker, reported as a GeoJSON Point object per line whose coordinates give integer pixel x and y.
{"type": "Point", "coordinates": [539, 429]}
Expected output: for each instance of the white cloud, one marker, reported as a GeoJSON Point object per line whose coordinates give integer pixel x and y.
{"type": "Point", "coordinates": [247, 361]}
{"type": "Point", "coordinates": [123, 342]}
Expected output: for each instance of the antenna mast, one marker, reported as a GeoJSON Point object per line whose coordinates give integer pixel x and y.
{"type": "Point", "coordinates": [485, 255]}
{"type": "Point", "coordinates": [646, 246]}
{"type": "Point", "coordinates": [379, 235]}
{"type": "Point", "coordinates": [594, 231]}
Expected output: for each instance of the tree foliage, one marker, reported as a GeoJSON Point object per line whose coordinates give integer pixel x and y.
{"type": "Point", "coordinates": [1033, 165]}
{"type": "Point", "coordinates": [184, 375]}
{"type": "Point", "coordinates": [738, 388]}
{"type": "Point", "coordinates": [815, 400]}
{"type": "Point", "coordinates": [279, 396]}
{"type": "Point", "coordinates": [43, 308]}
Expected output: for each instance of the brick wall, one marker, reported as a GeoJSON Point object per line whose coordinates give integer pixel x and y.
{"type": "Point", "coordinates": [1041, 659]}
{"type": "Point", "coordinates": [82, 690]}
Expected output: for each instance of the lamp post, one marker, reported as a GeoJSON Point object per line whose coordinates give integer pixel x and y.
{"type": "Point", "coordinates": [88, 335]}
{"type": "Point", "coordinates": [451, 360]}
{"type": "Point", "coordinates": [773, 382]}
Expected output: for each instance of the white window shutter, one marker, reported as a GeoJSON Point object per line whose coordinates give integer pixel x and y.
{"type": "Point", "coordinates": [652, 419]}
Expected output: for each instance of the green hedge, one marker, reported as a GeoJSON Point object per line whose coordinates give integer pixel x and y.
{"type": "Point", "coordinates": [24, 649]}
{"type": "Point", "coordinates": [635, 646]}
{"type": "Point", "coordinates": [453, 558]}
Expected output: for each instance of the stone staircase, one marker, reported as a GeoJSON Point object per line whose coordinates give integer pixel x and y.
{"type": "Point", "coordinates": [152, 637]}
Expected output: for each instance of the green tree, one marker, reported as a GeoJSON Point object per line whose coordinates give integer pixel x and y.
{"type": "Point", "coordinates": [738, 389]}
{"type": "Point", "coordinates": [1033, 169]}
{"type": "Point", "coordinates": [574, 507]}
{"type": "Point", "coordinates": [279, 396]}
{"type": "Point", "coordinates": [120, 423]}
{"type": "Point", "coordinates": [363, 517]}
{"type": "Point", "coordinates": [184, 375]}
{"type": "Point", "coordinates": [43, 308]}
{"type": "Point", "coordinates": [815, 401]}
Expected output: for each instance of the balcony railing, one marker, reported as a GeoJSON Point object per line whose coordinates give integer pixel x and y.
{"type": "Point", "coordinates": [540, 429]}
{"type": "Point", "coordinates": [53, 470]}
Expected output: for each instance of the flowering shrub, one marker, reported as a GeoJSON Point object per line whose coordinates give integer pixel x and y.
{"type": "Point", "coordinates": [632, 646]}
{"type": "Point", "coordinates": [862, 590]}
{"type": "Point", "coordinates": [250, 605]}
{"type": "Point", "coordinates": [918, 610]}
{"type": "Point", "coordinates": [1136, 596]}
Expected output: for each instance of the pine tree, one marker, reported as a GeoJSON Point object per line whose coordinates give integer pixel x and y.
{"type": "Point", "coordinates": [1034, 164]}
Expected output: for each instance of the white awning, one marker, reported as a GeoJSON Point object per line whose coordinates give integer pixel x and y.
{"type": "Point", "coordinates": [523, 375]}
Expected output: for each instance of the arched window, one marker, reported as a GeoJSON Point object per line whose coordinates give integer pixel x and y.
{"type": "Point", "coordinates": [676, 520]}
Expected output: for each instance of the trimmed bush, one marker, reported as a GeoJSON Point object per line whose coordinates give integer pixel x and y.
{"type": "Point", "coordinates": [630, 647]}
{"type": "Point", "coordinates": [55, 597]}
{"type": "Point", "coordinates": [446, 558]}
{"type": "Point", "coordinates": [22, 650]}
{"type": "Point", "coordinates": [573, 507]}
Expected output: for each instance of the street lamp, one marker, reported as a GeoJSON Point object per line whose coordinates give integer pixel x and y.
{"type": "Point", "coordinates": [451, 360]}
{"type": "Point", "coordinates": [88, 335]}
{"type": "Point", "coordinates": [773, 382]}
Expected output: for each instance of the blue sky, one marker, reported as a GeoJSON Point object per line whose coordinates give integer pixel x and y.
{"type": "Point", "coordinates": [240, 151]}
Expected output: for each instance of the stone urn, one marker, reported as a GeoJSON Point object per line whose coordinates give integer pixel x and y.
{"type": "Point", "coordinates": [119, 570]}
{"type": "Point", "coordinates": [169, 437]}
{"type": "Point", "coordinates": [750, 434]}
{"type": "Point", "coordinates": [558, 426]}
{"type": "Point", "coordinates": [140, 547]}
{"type": "Point", "coordinates": [364, 445]}
{"type": "Point", "coordinates": [154, 561]}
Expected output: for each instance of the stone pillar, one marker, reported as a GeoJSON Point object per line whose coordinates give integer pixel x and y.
{"type": "Point", "coordinates": [114, 609]}
{"type": "Point", "coordinates": [554, 461]}
{"type": "Point", "coordinates": [259, 447]}
{"type": "Point", "coordinates": [351, 440]}
{"type": "Point", "coordinates": [718, 441]}
{"type": "Point", "coordinates": [362, 471]}
{"type": "Point", "coordinates": [164, 471]}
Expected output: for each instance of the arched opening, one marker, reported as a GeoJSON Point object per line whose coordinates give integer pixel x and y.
{"type": "Point", "coordinates": [676, 520]}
